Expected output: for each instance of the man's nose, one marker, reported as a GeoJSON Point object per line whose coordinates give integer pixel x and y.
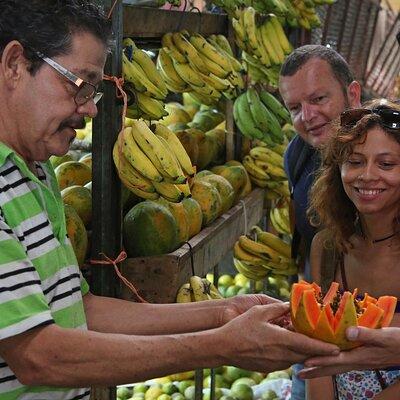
{"type": "Point", "coordinates": [307, 112]}
{"type": "Point", "coordinates": [89, 109]}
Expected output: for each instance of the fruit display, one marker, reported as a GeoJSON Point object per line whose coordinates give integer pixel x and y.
{"type": "Point", "coordinates": [230, 383]}
{"type": "Point", "coordinates": [259, 116]}
{"type": "Point", "coordinates": [143, 82]}
{"type": "Point", "coordinates": [265, 254]}
{"type": "Point", "coordinates": [197, 289]}
{"type": "Point", "coordinates": [326, 317]}
{"type": "Point", "coordinates": [204, 67]}
{"type": "Point", "coordinates": [152, 164]}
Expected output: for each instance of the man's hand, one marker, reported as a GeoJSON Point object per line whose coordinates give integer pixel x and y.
{"type": "Point", "coordinates": [237, 305]}
{"type": "Point", "coordinates": [380, 349]}
{"type": "Point", "coordinates": [256, 343]}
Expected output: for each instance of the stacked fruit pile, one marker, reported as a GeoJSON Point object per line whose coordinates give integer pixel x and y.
{"type": "Point", "coordinates": [143, 82]}
{"type": "Point", "coordinates": [266, 254]}
{"type": "Point", "coordinates": [74, 179]}
{"type": "Point", "coordinates": [230, 383]}
{"type": "Point", "coordinates": [260, 116]}
{"type": "Point", "coordinates": [197, 289]}
{"type": "Point", "coordinates": [205, 68]}
{"type": "Point", "coordinates": [152, 165]}
{"type": "Point", "coordinates": [263, 45]}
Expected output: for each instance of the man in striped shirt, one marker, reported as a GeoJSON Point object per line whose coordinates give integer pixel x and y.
{"type": "Point", "coordinates": [57, 339]}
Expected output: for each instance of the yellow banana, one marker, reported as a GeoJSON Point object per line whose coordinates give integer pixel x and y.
{"type": "Point", "coordinates": [250, 271]}
{"type": "Point", "coordinates": [264, 56]}
{"type": "Point", "coordinates": [137, 158]}
{"type": "Point", "coordinates": [148, 66]}
{"type": "Point", "coordinates": [236, 80]}
{"type": "Point", "coordinates": [171, 49]}
{"type": "Point", "coordinates": [184, 294]}
{"type": "Point", "coordinates": [188, 74]}
{"type": "Point", "coordinates": [214, 81]}
{"type": "Point", "coordinates": [273, 241]}
{"type": "Point", "coordinates": [259, 249]}
{"type": "Point", "coordinates": [189, 51]}
{"type": "Point", "coordinates": [235, 64]}
{"type": "Point", "coordinates": [210, 51]}
{"type": "Point", "coordinates": [132, 74]}
{"type": "Point", "coordinates": [267, 43]}
{"type": "Point", "coordinates": [184, 188]}
{"type": "Point", "coordinates": [176, 146]}
{"type": "Point", "coordinates": [276, 172]}
{"type": "Point", "coordinates": [198, 289]}
{"type": "Point", "coordinates": [267, 155]}
{"type": "Point", "coordinates": [129, 173]}
{"type": "Point", "coordinates": [207, 90]}
{"type": "Point", "coordinates": [169, 191]}
{"type": "Point", "coordinates": [244, 255]}
{"type": "Point", "coordinates": [277, 222]}
{"type": "Point", "coordinates": [249, 21]}
{"type": "Point", "coordinates": [153, 108]}
{"type": "Point", "coordinates": [140, 193]}
{"type": "Point", "coordinates": [254, 169]}
{"type": "Point", "coordinates": [214, 68]}
{"type": "Point", "coordinates": [212, 291]}
{"type": "Point", "coordinates": [280, 34]}
{"type": "Point", "coordinates": [239, 30]}
{"type": "Point", "coordinates": [274, 39]}
{"type": "Point", "coordinates": [262, 183]}
{"type": "Point", "coordinates": [166, 66]}
{"type": "Point", "coordinates": [157, 152]}
{"type": "Point", "coordinates": [224, 44]}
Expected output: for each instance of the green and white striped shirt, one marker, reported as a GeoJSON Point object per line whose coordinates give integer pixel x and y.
{"type": "Point", "coordinates": [40, 281]}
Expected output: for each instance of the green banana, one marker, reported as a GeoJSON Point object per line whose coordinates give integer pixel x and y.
{"type": "Point", "coordinates": [244, 120]}
{"type": "Point", "coordinates": [273, 104]}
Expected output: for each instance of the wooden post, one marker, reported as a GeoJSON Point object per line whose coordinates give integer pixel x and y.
{"type": "Point", "coordinates": [106, 193]}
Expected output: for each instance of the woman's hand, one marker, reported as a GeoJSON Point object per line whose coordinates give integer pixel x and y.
{"type": "Point", "coordinates": [380, 348]}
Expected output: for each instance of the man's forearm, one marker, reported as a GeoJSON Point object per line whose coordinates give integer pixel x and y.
{"type": "Point", "coordinates": [106, 314]}
{"type": "Point", "coordinates": [85, 358]}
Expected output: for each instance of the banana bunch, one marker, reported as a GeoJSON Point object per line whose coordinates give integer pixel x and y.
{"type": "Point", "coordinates": [279, 217]}
{"type": "Point", "coordinates": [307, 14]}
{"type": "Point", "coordinates": [205, 68]}
{"type": "Point", "coordinates": [264, 44]}
{"type": "Point", "coordinates": [197, 289]}
{"type": "Point", "coordinates": [143, 83]}
{"type": "Point", "coordinates": [265, 169]}
{"type": "Point", "coordinates": [266, 254]}
{"type": "Point", "coordinates": [152, 164]}
{"type": "Point", "coordinates": [259, 116]}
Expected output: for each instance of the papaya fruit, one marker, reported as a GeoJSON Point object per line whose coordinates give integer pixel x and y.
{"type": "Point", "coordinates": [209, 200]}
{"type": "Point", "coordinates": [72, 173]}
{"type": "Point", "coordinates": [55, 161]}
{"type": "Point", "coordinates": [181, 217]}
{"type": "Point", "coordinates": [224, 188]}
{"type": "Point", "coordinates": [87, 159]}
{"type": "Point", "coordinates": [327, 318]}
{"type": "Point", "coordinates": [77, 233]}
{"type": "Point", "coordinates": [237, 177]}
{"type": "Point", "coordinates": [149, 229]}
{"type": "Point", "coordinates": [189, 142]}
{"type": "Point", "coordinates": [195, 216]}
{"type": "Point", "coordinates": [80, 198]}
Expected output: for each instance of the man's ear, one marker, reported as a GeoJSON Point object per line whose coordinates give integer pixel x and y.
{"type": "Point", "coordinates": [354, 94]}
{"type": "Point", "coordinates": [13, 62]}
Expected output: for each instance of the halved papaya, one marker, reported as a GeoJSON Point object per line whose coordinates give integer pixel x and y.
{"type": "Point", "coordinates": [327, 318]}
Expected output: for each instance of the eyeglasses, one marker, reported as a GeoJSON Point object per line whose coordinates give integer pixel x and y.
{"type": "Point", "coordinates": [389, 118]}
{"type": "Point", "coordinates": [86, 90]}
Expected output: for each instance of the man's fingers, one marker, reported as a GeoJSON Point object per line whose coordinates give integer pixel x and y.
{"type": "Point", "coordinates": [263, 299]}
{"type": "Point", "coordinates": [366, 335]}
{"type": "Point", "coordinates": [317, 372]}
{"type": "Point", "coordinates": [309, 346]}
{"type": "Point", "coordinates": [276, 310]}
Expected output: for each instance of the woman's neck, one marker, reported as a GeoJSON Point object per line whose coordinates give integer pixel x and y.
{"type": "Point", "coordinates": [378, 228]}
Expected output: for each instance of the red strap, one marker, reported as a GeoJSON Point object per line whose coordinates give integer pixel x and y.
{"type": "Point", "coordinates": [121, 257]}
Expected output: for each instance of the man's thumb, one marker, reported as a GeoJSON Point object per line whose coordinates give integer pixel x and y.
{"type": "Point", "coordinates": [361, 334]}
{"type": "Point", "coordinates": [276, 310]}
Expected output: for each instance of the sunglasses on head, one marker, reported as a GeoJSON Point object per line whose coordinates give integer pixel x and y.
{"type": "Point", "coordinates": [389, 118]}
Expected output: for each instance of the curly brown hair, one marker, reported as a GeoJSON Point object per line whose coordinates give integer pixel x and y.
{"type": "Point", "coordinates": [330, 206]}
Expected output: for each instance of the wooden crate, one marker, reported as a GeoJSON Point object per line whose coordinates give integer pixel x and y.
{"type": "Point", "coordinates": [158, 278]}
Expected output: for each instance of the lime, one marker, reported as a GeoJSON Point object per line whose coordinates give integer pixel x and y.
{"type": "Point", "coordinates": [140, 388]}
{"type": "Point", "coordinates": [153, 392]}
{"type": "Point", "coordinates": [242, 391]}
{"type": "Point", "coordinates": [232, 290]}
{"type": "Point", "coordinates": [190, 393]}
{"type": "Point", "coordinates": [169, 388]}
{"type": "Point", "coordinates": [244, 381]}
{"type": "Point", "coordinates": [225, 280]}
{"type": "Point", "coordinates": [182, 385]}
{"type": "Point", "coordinates": [257, 377]}
{"type": "Point", "coordinates": [124, 393]}
{"type": "Point", "coordinates": [164, 396]}
{"type": "Point", "coordinates": [219, 382]}
{"type": "Point", "coordinates": [177, 396]}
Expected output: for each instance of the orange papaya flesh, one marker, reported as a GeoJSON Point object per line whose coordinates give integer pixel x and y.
{"type": "Point", "coordinates": [388, 305]}
{"type": "Point", "coordinates": [297, 293]}
{"type": "Point", "coordinates": [331, 293]}
{"type": "Point", "coordinates": [327, 318]}
{"type": "Point", "coordinates": [371, 317]}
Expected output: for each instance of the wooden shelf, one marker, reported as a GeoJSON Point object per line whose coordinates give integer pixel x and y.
{"type": "Point", "coordinates": [158, 278]}
{"type": "Point", "coordinates": [139, 22]}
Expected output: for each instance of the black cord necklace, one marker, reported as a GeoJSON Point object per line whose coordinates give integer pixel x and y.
{"type": "Point", "coordinates": [385, 238]}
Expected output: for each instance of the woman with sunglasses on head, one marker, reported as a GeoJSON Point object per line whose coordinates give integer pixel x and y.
{"type": "Point", "coordinates": [356, 199]}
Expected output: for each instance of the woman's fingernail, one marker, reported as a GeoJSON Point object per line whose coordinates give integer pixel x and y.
{"type": "Point", "coordinates": [352, 333]}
